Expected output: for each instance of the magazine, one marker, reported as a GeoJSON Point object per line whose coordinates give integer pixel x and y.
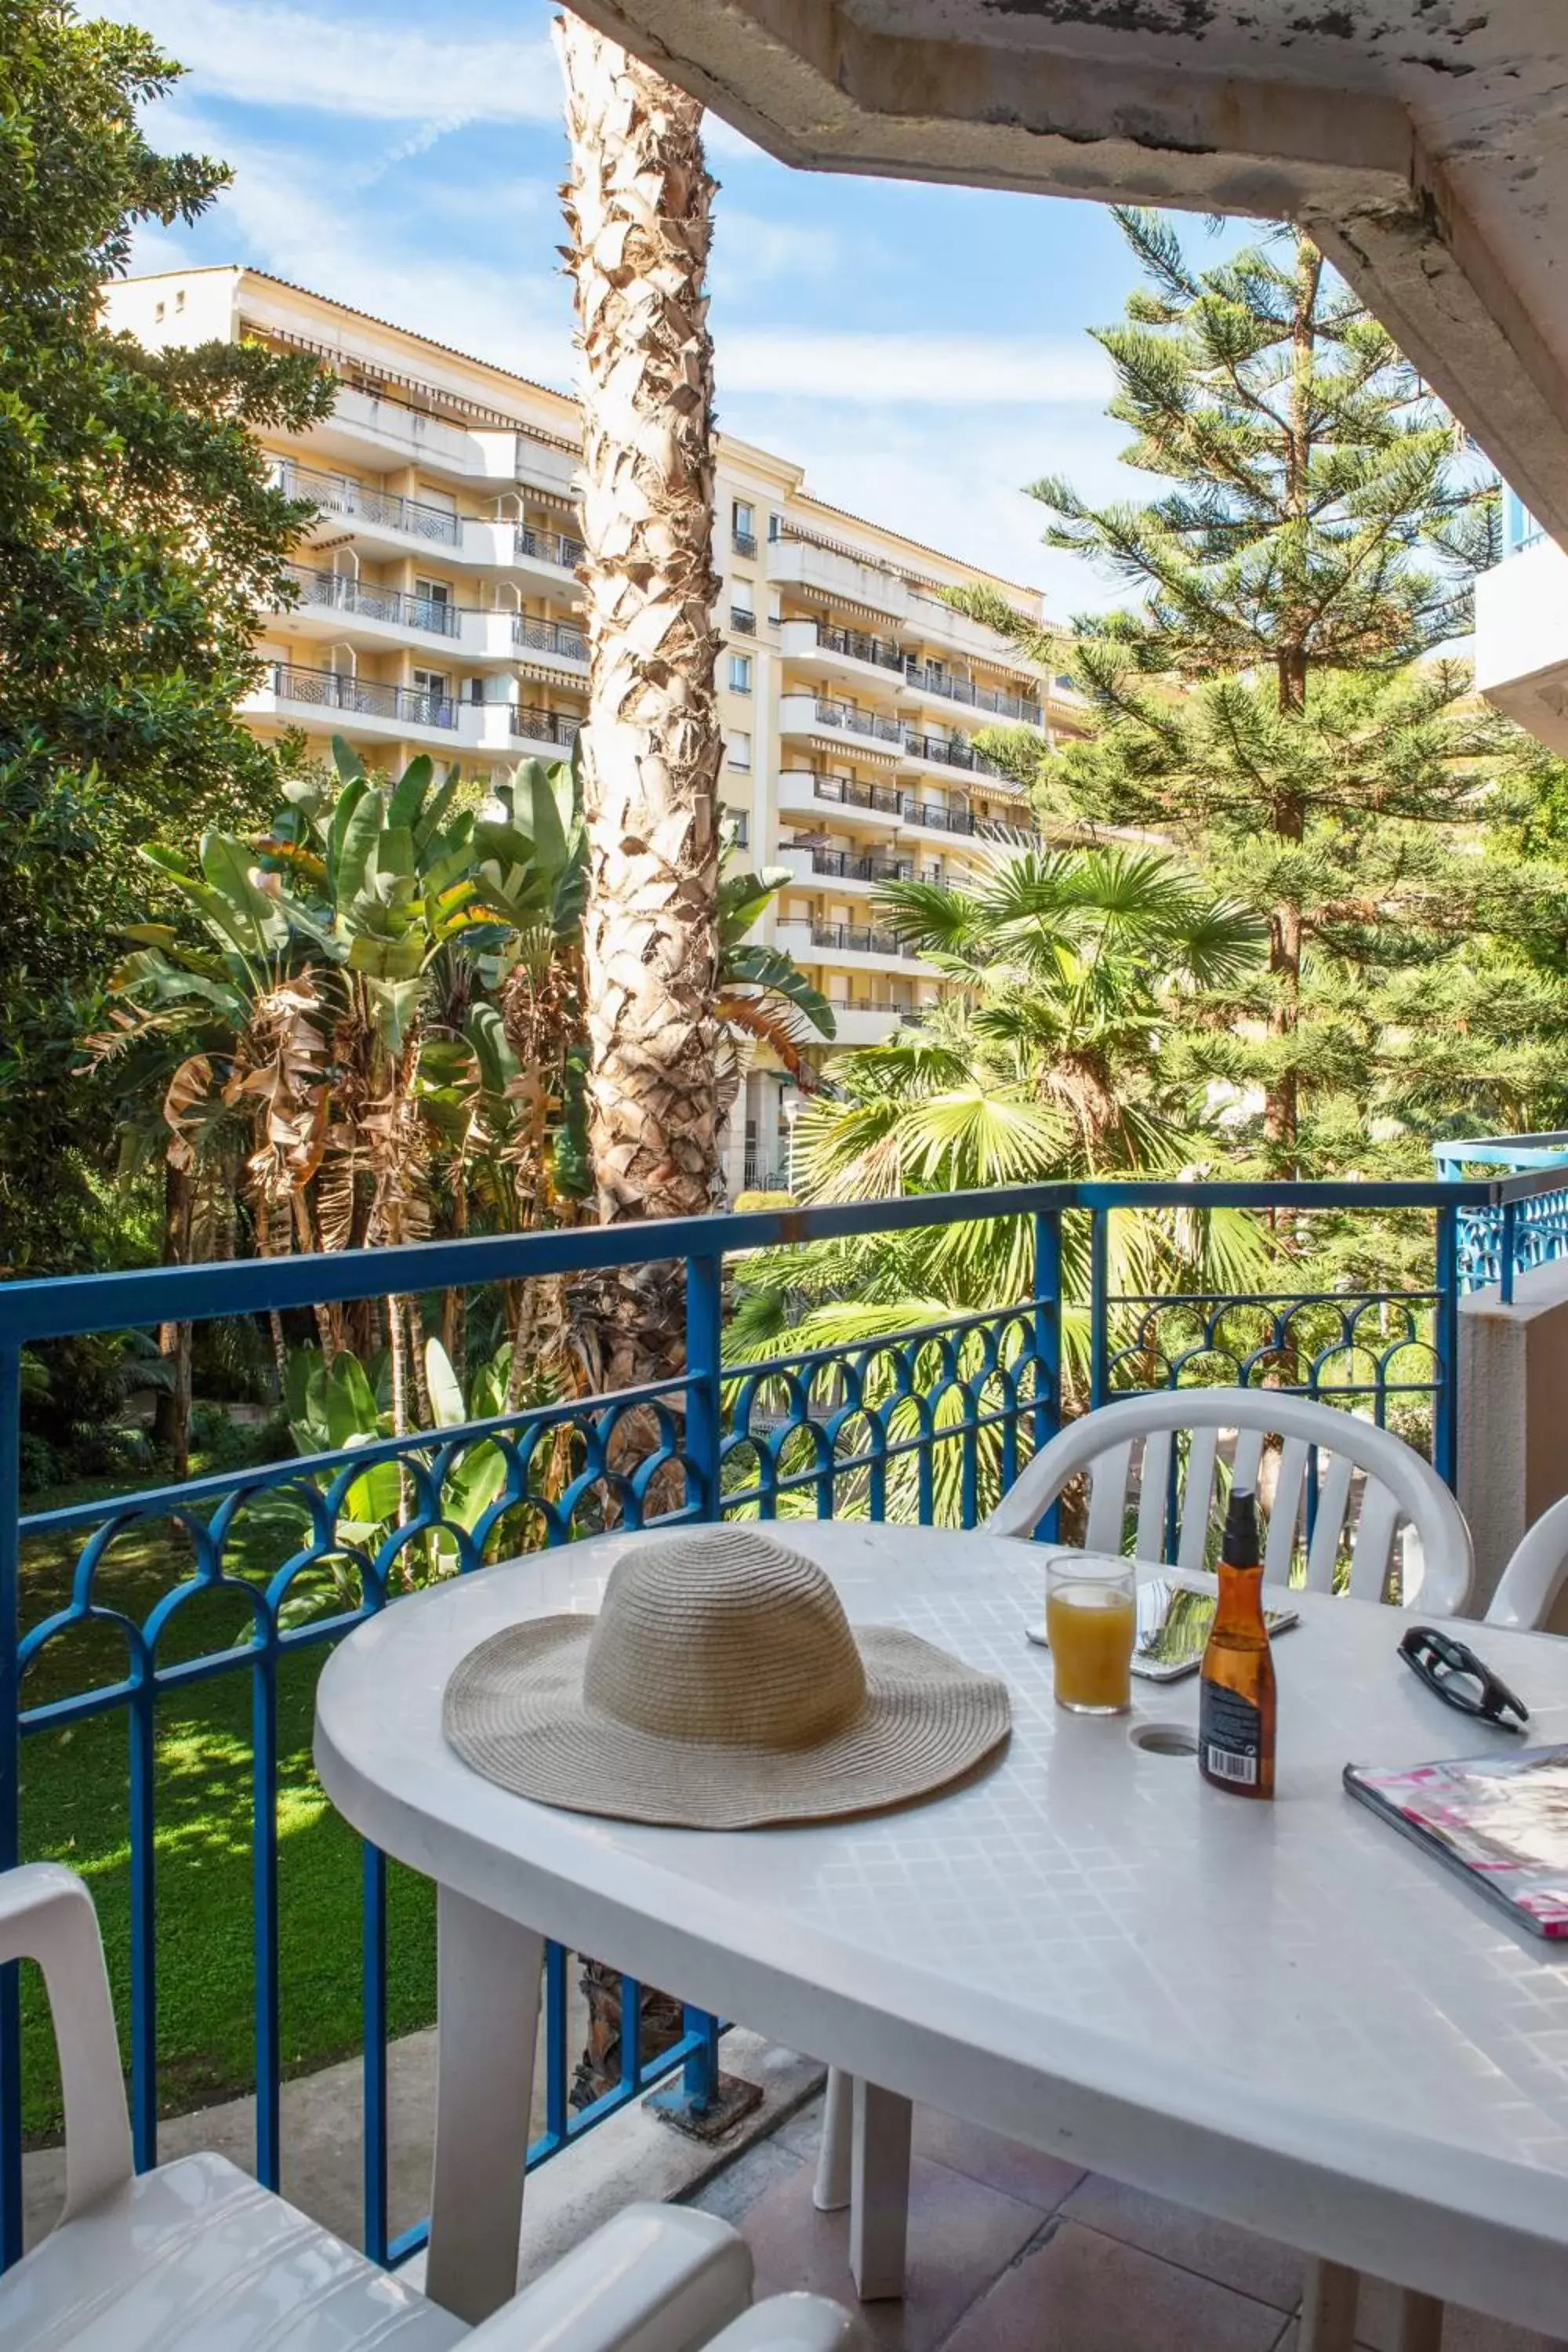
{"type": "Point", "coordinates": [1500, 1820]}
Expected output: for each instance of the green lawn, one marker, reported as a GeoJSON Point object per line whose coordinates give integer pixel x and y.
{"type": "Point", "coordinates": [74, 1809]}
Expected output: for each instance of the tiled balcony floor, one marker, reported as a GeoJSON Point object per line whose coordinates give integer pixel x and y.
{"type": "Point", "coordinates": [1010, 2252]}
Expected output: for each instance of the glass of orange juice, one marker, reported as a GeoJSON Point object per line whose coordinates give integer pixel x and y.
{"type": "Point", "coordinates": [1091, 1619]}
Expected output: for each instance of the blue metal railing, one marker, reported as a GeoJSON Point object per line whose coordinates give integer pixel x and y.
{"type": "Point", "coordinates": [928, 1423]}
{"type": "Point", "coordinates": [1529, 1227]}
{"type": "Point", "coordinates": [1520, 528]}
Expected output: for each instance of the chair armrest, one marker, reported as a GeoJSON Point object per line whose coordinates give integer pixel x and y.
{"type": "Point", "coordinates": [46, 1915]}
{"type": "Point", "coordinates": [792, 2323]}
{"type": "Point", "coordinates": [656, 2278]}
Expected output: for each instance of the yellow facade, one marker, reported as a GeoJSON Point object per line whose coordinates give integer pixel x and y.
{"type": "Point", "coordinates": [438, 612]}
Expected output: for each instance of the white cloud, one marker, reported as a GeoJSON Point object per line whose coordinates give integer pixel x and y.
{"type": "Point", "coordinates": [293, 213]}
{"type": "Point", "coordinates": [271, 55]}
{"type": "Point", "coordinates": [953, 368]}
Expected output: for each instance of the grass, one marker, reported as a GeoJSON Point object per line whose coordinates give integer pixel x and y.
{"type": "Point", "coordinates": [75, 1787]}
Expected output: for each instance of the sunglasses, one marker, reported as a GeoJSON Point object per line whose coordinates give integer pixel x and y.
{"type": "Point", "coordinates": [1459, 1678]}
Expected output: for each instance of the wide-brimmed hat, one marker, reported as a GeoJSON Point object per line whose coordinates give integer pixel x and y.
{"type": "Point", "coordinates": [720, 1688]}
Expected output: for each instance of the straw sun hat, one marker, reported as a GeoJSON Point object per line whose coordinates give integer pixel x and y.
{"type": "Point", "coordinates": [719, 1688]}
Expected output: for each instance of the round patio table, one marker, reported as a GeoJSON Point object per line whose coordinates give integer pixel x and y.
{"type": "Point", "coordinates": [1284, 2015]}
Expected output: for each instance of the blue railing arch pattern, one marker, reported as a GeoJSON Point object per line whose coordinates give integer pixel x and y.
{"type": "Point", "coordinates": [929, 1420]}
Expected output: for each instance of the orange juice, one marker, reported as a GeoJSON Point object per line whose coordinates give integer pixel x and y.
{"type": "Point", "coordinates": [1090, 1628]}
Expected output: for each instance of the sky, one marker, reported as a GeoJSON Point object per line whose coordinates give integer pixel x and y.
{"type": "Point", "coordinates": [922, 351]}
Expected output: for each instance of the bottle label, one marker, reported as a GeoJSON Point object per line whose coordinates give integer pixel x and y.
{"type": "Point", "coordinates": [1230, 1735]}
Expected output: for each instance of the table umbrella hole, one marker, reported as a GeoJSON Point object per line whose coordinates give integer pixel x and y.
{"type": "Point", "coordinates": [1164, 1740]}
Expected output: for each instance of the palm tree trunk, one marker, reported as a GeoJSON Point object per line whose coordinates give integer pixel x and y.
{"type": "Point", "coordinates": [171, 1407]}
{"type": "Point", "coordinates": [640, 220]}
{"type": "Point", "coordinates": [639, 212]}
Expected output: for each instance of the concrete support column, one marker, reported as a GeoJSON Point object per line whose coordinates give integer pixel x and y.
{"type": "Point", "coordinates": [1513, 1418]}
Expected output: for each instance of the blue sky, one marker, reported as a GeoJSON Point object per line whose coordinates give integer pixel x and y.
{"type": "Point", "coordinates": [920, 349]}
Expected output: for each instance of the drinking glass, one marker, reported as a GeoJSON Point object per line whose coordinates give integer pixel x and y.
{"type": "Point", "coordinates": [1092, 1620]}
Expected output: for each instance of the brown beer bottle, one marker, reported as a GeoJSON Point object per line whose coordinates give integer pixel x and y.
{"type": "Point", "coordinates": [1236, 1693]}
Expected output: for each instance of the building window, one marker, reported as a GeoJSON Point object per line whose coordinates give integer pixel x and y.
{"type": "Point", "coordinates": [180, 300]}
{"type": "Point", "coordinates": [158, 314]}
{"type": "Point", "coordinates": [743, 525]}
{"type": "Point", "coordinates": [739, 748]}
{"type": "Point", "coordinates": [740, 673]}
{"type": "Point", "coordinates": [775, 525]}
{"type": "Point", "coordinates": [739, 826]}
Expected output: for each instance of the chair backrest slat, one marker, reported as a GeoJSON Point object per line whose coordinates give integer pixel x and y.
{"type": "Point", "coordinates": [1286, 1516]}
{"type": "Point", "coordinates": [1248, 1458]}
{"type": "Point", "coordinates": [1196, 1499]}
{"type": "Point", "coordinates": [1329, 1526]}
{"type": "Point", "coordinates": [1373, 1541]}
{"type": "Point", "coordinates": [1108, 1498]}
{"type": "Point", "coordinates": [1154, 1494]}
{"type": "Point", "coordinates": [1399, 1486]}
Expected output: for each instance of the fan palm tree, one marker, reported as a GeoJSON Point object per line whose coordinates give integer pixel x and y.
{"type": "Point", "coordinates": [639, 215]}
{"type": "Point", "coordinates": [1069, 1054]}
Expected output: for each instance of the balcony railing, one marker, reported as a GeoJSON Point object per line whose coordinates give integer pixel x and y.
{"type": "Point", "coordinates": [336, 494]}
{"type": "Point", "coordinates": [857, 938]}
{"type": "Point", "coordinates": [841, 794]}
{"type": "Point", "coordinates": [331, 690]}
{"type": "Point", "coordinates": [851, 1429]}
{"type": "Point", "coordinates": [536, 726]}
{"type": "Point", "coordinates": [744, 543]}
{"type": "Point", "coordinates": [743, 624]}
{"type": "Point", "coordinates": [978, 697]}
{"type": "Point", "coordinates": [551, 637]}
{"type": "Point", "coordinates": [950, 752]}
{"type": "Point", "coordinates": [850, 867]}
{"type": "Point", "coordinates": [336, 590]}
{"type": "Point", "coordinates": [861, 647]}
{"type": "Point", "coordinates": [859, 722]}
{"type": "Point", "coordinates": [555, 546]}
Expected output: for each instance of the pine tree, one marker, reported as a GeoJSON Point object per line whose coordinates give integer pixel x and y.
{"type": "Point", "coordinates": [1270, 703]}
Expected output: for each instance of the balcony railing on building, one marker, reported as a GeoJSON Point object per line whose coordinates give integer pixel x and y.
{"type": "Point", "coordinates": [989, 699]}
{"type": "Point", "coordinates": [858, 722]}
{"type": "Point", "coordinates": [337, 494]}
{"type": "Point", "coordinates": [343, 594]}
{"type": "Point", "coordinates": [333, 689]}
{"type": "Point", "coordinates": [861, 646]}
{"type": "Point", "coordinates": [839, 792]}
{"type": "Point", "coordinates": [858, 939]}
{"type": "Point", "coordinates": [744, 624]}
{"type": "Point", "coordinates": [550, 638]}
{"type": "Point", "coordinates": [557, 547]}
{"type": "Point", "coordinates": [849, 866]}
{"type": "Point", "coordinates": [536, 726]}
{"type": "Point", "coordinates": [744, 542]}
{"type": "Point", "coordinates": [920, 1425]}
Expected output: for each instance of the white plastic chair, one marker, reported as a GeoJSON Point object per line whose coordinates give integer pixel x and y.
{"type": "Point", "coordinates": [1535, 1575]}
{"type": "Point", "coordinates": [195, 2252]}
{"type": "Point", "coordinates": [1395, 1486]}
{"type": "Point", "coordinates": [1355, 1457]}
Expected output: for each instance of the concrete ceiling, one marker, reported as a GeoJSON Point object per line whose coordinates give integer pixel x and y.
{"type": "Point", "coordinates": [1425, 143]}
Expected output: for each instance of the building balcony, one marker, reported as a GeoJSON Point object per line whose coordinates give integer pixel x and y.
{"type": "Point", "coordinates": [846, 654]}
{"type": "Point", "coordinates": [946, 751]}
{"type": "Point", "coordinates": [808, 714]}
{"type": "Point", "coordinates": [557, 641]}
{"type": "Point", "coordinates": [858, 1023]}
{"type": "Point", "coordinates": [392, 429]}
{"type": "Point", "coordinates": [385, 513]}
{"type": "Point", "coordinates": [217, 1722]}
{"type": "Point", "coordinates": [291, 693]}
{"type": "Point", "coordinates": [1522, 639]}
{"type": "Point", "coordinates": [859, 872]}
{"type": "Point", "coordinates": [333, 605]}
{"type": "Point", "coordinates": [557, 550]}
{"type": "Point", "coordinates": [802, 794]}
{"type": "Point", "coordinates": [924, 684]}
{"type": "Point", "coordinates": [529, 724]}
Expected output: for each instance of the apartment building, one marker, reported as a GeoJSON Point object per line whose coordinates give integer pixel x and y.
{"type": "Point", "coordinates": [438, 610]}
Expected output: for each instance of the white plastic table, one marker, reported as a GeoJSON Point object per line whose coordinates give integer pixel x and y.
{"type": "Point", "coordinates": [1285, 2016]}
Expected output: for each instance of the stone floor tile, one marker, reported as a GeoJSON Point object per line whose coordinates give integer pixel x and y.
{"type": "Point", "coordinates": [1215, 2250]}
{"type": "Point", "coordinates": [731, 2194]}
{"type": "Point", "coordinates": [1004, 2164]}
{"type": "Point", "coordinates": [1080, 2291]}
{"type": "Point", "coordinates": [963, 2235]}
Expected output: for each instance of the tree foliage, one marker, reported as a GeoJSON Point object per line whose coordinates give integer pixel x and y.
{"type": "Point", "coordinates": [140, 537]}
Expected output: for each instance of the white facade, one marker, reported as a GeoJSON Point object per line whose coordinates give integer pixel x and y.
{"type": "Point", "coordinates": [438, 610]}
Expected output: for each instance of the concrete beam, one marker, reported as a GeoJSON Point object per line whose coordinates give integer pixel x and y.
{"type": "Point", "coordinates": [1207, 105]}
